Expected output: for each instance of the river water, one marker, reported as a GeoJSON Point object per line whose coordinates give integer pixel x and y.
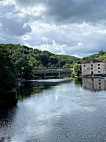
{"type": "Point", "coordinates": [57, 110]}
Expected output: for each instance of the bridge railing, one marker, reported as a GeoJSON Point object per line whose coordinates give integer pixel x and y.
{"type": "Point", "coordinates": [52, 69]}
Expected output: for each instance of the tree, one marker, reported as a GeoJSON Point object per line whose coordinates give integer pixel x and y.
{"type": "Point", "coordinates": [44, 57]}
{"type": "Point", "coordinates": [33, 62]}
{"type": "Point", "coordinates": [7, 70]}
{"type": "Point", "coordinates": [36, 58]}
{"type": "Point", "coordinates": [67, 65]}
{"type": "Point", "coordinates": [24, 70]}
{"type": "Point", "coordinates": [77, 69]}
{"type": "Point", "coordinates": [101, 52]}
{"type": "Point", "coordinates": [7, 79]}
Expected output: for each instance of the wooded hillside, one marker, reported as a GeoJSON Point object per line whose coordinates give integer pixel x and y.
{"type": "Point", "coordinates": [38, 59]}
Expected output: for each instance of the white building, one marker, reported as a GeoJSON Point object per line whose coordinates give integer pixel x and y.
{"type": "Point", "coordinates": [93, 67]}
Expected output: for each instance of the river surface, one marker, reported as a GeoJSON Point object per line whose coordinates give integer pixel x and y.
{"type": "Point", "coordinates": [58, 110]}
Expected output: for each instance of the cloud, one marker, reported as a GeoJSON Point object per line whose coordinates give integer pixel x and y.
{"type": "Point", "coordinates": [64, 11]}
{"type": "Point", "coordinates": [13, 27]}
{"type": "Point", "coordinates": [73, 39]}
{"type": "Point", "coordinates": [74, 27]}
{"type": "Point", "coordinates": [69, 10]}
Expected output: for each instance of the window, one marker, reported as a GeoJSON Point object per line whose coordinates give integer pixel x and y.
{"type": "Point", "coordinates": [98, 67]}
{"type": "Point", "coordinates": [98, 64]}
{"type": "Point", "coordinates": [91, 64]}
{"type": "Point", "coordinates": [98, 71]}
{"type": "Point", "coordinates": [88, 68]}
{"type": "Point", "coordinates": [91, 68]}
{"type": "Point", "coordinates": [84, 65]}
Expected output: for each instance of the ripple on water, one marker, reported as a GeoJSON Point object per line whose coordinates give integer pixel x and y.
{"type": "Point", "coordinates": [64, 112]}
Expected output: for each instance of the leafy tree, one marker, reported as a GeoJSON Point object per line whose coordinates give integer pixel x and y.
{"type": "Point", "coordinates": [33, 62]}
{"type": "Point", "coordinates": [44, 59]}
{"type": "Point", "coordinates": [7, 70]}
{"type": "Point", "coordinates": [67, 65]}
{"type": "Point", "coordinates": [23, 69]}
{"type": "Point", "coordinates": [36, 58]}
{"type": "Point", "coordinates": [7, 79]}
{"type": "Point", "coordinates": [101, 52]}
{"type": "Point", "coordinates": [53, 60]}
{"type": "Point", "coordinates": [77, 69]}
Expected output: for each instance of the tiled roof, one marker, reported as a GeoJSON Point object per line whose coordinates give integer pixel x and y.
{"type": "Point", "coordinates": [104, 60]}
{"type": "Point", "coordinates": [92, 61]}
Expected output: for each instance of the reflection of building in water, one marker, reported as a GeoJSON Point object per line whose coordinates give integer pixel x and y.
{"type": "Point", "coordinates": [94, 84]}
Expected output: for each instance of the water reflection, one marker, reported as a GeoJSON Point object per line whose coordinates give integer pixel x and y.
{"type": "Point", "coordinates": [7, 99]}
{"type": "Point", "coordinates": [34, 87]}
{"type": "Point", "coordinates": [77, 81]}
{"type": "Point", "coordinates": [7, 119]}
{"type": "Point", "coordinates": [58, 111]}
{"type": "Point", "coordinates": [94, 84]}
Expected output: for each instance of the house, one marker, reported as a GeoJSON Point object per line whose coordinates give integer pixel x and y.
{"type": "Point", "coordinates": [93, 67]}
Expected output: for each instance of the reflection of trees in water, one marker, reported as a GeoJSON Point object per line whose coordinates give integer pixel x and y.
{"type": "Point", "coordinates": [28, 89]}
{"type": "Point", "coordinates": [94, 84]}
{"type": "Point", "coordinates": [8, 99]}
{"type": "Point", "coordinates": [24, 90]}
{"type": "Point", "coordinates": [77, 81]}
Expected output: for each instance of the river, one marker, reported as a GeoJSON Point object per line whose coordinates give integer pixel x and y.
{"type": "Point", "coordinates": [57, 110]}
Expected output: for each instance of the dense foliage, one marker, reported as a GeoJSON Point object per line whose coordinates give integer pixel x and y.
{"type": "Point", "coordinates": [38, 59]}
{"type": "Point", "coordinates": [17, 61]}
{"type": "Point", "coordinates": [7, 78]}
{"type": "Point", "coordinates": [25, 59]}
{"type": "Point", "coordinates": [77, 69]}
{"type": "Point", "coordinates": [7, 70]}
{"type": "Point", "coordinates": [101, 56]}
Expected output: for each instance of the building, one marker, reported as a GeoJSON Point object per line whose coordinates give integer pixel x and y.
{"type": "Point", "coordinates": [93, 67]}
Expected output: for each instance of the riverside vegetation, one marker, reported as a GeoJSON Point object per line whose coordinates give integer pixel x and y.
{"type": "Point", "coordinates": [17, 61]}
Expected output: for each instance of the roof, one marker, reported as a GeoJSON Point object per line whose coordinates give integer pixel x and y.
{"type": "Point", "coordinates": [92, 61]}
{"type": "Point", "coordinates": [104, 60]}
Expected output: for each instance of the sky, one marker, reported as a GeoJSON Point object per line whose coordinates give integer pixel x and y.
{"type": "Point", "coordinates": [71, 27]}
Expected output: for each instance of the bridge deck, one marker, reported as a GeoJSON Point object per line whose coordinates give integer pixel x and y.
{"type": "Point", "coordinates": [52, 70]}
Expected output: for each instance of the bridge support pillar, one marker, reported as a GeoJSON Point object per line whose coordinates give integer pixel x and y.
{"type": "Point", "coordinates": [59, 74]}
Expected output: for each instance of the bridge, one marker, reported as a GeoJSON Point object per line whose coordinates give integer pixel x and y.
{"type": "Point", "coordinates": [51, 71]}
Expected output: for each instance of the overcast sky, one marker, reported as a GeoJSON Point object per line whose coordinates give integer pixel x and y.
{"type": "Point", "coordinates": [72, 27]}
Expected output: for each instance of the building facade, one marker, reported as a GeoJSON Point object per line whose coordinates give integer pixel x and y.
{"type": "Point", "coordinates": [93, 67]}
